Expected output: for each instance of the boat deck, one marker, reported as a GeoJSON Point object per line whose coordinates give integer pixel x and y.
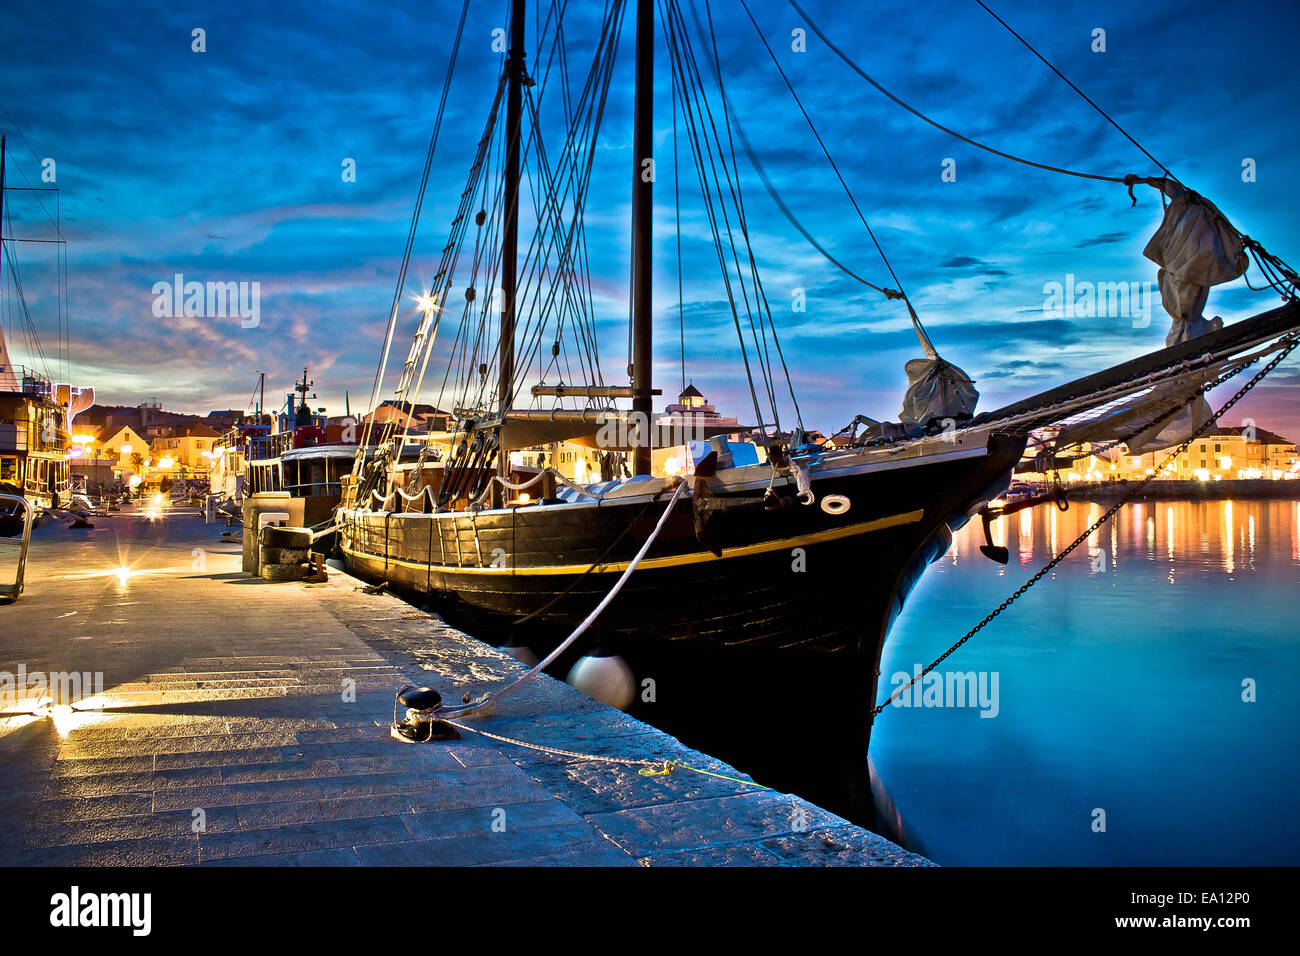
{"type": "Point", "coordinates": [226, 733]}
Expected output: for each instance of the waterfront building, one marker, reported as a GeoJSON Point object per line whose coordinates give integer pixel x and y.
{"type": "Point", "coordinates": [1225, 452]}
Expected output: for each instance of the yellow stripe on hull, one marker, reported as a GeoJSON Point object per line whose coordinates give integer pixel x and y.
{"type": "Point", "coordinates": [672, 561]}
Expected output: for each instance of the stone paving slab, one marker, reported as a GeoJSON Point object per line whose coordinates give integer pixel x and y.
{"type": "Point", "coordinates": [242, 723]}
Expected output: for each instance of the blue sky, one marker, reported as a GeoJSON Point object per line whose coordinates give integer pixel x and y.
{"type": "Point", "coordinates": [225, 166]}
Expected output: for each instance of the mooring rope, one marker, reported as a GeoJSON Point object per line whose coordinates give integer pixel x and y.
{"type": "Point", "coordinates": [489, 699]}
{"type": "Point", "coordinates": [649, 768]}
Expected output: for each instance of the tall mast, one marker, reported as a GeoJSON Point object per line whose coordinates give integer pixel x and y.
{"type": "Point", "coordinates": [2, 197]}
{"type": "Point", "coordinates": [510, 230]}
{"type": "Point", "coordinates": [642, 212]}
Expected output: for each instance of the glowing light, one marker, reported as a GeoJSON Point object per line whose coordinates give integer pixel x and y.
{"type": "Point", "coordinates": [134, 481]}
{"type": "Point", "coordinates": [64, 718]}
{"type": "Point", "coordinates": [1202, 474]}
{"type": "Point", "coordinates": [122, 574]}
{"type": "Point", "coordinates": [83, 439]}
{"type": "Point", "coordinates": [125, 449]}
{"type": "Point", "coordinates": [673, 466]}
{"type": "Point", "coordinates": [166, 462]}
{"type": "Point", "coordinates": [525, 498]}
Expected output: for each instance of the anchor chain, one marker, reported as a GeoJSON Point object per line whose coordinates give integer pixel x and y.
{"type": "Point", "coordinates": [1109, 513]}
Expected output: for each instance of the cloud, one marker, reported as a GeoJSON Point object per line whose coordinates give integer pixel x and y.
{"type": "Point", "coordinates": [1102, 239]}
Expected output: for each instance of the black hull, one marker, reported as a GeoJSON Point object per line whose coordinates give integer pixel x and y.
{"type": "Point", "coordinates": [791, 618]}
{"type": "Point", "coordinates": [837, 596]}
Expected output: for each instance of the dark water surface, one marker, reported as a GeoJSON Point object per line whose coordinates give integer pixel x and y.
{"type": "Point", "coordinates": [1120, 688]}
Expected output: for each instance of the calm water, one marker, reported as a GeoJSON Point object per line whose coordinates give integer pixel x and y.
{"type": "Point", "coordinates": [1120, 683]}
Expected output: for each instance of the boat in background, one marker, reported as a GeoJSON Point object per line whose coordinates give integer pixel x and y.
{"type": "Point", "coordinates": [297, 451]}
{"type": "Point", "coordinates": [34, 445]}
{"type": "Point", "coordinates": [36, 413]}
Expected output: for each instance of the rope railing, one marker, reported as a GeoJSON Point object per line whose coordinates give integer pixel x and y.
{"type": "Point", "coordinates": [523, 486]}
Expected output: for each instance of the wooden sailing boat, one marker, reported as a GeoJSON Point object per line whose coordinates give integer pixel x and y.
{"type": "Point", "coordinates": [773, 581]}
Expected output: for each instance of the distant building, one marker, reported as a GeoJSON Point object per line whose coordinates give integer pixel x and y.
{"type": "Point", "coordinates": [1221, 453]}
{"type": "Point", "coordinates": [105, 462]}
{"type": "Point", "coordinates": [691, 414]}
{"type": "Point", "coordinates": [122, 445]}
{"type": "Point", "coordinates": [223, 419]}
{"type": "Point", "coordinates": [690, 419]}
{"type": "Point", "coordinates": [187, 447]}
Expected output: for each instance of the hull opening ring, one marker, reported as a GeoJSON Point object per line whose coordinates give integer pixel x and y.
{"type": "Point", "coordinates": [836, 504]}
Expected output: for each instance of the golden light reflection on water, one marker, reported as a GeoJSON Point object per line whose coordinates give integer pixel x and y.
{"type": "Point", "coordinates": [1231, 537]}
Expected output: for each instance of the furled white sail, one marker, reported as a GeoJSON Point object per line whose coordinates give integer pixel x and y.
{"type": "Point", "coordinates": [936, 389]}
{"type": "Point", "coordinates": [1143, 424]}
{"type": "Point", "coordinates": [1196, 247]}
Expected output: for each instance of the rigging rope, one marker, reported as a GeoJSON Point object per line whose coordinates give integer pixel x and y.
{"type": "Point", "coordinates": [415, 222]}
{"type": "Point", "coordinates": [825, 151]}
{"type": "Point", "coordinates": [926, 344]}
{"type": "Point", "coordinates": [937, 125]}
{"type": "Point", "coordinates": [1085, 96]}
{"type": "Point", "coordinates": [789, 215]}
{"type": "Point", "coordinates": [738, 195]}
{"type": "Point", "coordinates": [709, 152]}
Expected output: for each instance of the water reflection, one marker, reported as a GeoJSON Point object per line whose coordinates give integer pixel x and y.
{"type": "Point", "coordinates": [1121, 679]}
{"type": "Point", "coordinates": [1218, 535]}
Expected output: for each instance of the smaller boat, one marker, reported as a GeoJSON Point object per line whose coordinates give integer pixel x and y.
{"type": "Point", "coordinates": [304, 456]}
{"type": "Point", "coordinates": [1016, 491]}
